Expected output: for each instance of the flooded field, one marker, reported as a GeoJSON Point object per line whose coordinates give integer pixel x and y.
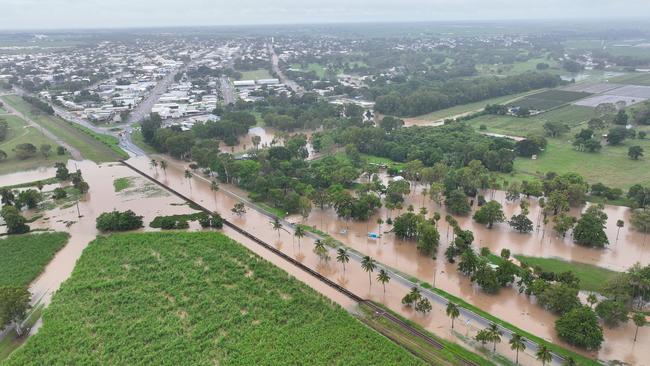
{"type": "Point", "coordinates": [147, 200]}
{"type": "Point", "coordinates": [403, 256]}
{"type": "Point", "coordinates": [268, 137]}
{"type": "Point", "coordinates": [508, 304]}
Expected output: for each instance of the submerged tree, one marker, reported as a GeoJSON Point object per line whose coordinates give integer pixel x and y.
{"type": "Point", "coordinates": [368, 264]}
{"type": "Point", "coordinates": [453, 312]}
{"type": "Point", "coordinates": [383, 277]}
{"type": "Point", "coordinates": [517, 344]}
{"type": "Point", "coordinates": [342, 257]}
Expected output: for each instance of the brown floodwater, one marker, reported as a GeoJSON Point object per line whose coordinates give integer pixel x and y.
{"type": "Point", "coordinates": [268, 137]}
{"type": "Point", "coordinates": [403, 256]}
{"type": "Point", "coordinates": [144, 198]}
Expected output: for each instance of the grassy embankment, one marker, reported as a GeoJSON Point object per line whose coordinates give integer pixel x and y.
{"type": "Point", "coordinates": [592, 278]}
{"type": "Point", "coordinates": [195, 298]}
{"type": "Point", "coordinates": [97, 148]}
{"type": "Point", "coordinates": [19, 132]}
{"type": "Point", "coordinates": [138, 140]}
{"type": "Point", "coordinates": [611, 166]}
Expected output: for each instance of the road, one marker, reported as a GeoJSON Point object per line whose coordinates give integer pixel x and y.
{"type": "Point", "coordinates": [143, 109]}
{"type": "Point", "coordinates": [73, 152]}
{"type": "Point", "coordinates": [227, 91]}
{"type": "Point", "coordinates": [125, 142]}
{"type": "Point", "coordinates": [468, 316]}
{"type": "Point", "coordinates": [275, 61]}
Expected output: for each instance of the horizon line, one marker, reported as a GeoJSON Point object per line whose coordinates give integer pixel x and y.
{"type": "Point", "coordinates": [316, 23]}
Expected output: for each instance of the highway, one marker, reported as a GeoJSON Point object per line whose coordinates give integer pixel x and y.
{"type": "Point", "coordinates": [283, 78]}
{"type": "Point", "coordinates": [143, 109]}
{"type": "Point", "coordinates": [227, 91]}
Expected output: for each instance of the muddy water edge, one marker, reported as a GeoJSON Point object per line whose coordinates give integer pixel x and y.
{"type": "Point", "coordinates": [508, 305]}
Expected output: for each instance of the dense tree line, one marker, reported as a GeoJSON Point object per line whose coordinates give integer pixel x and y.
{"type": "Point", "coordinates": [39, 104]}
{"type": "Point", "coordinates": [428, 99]}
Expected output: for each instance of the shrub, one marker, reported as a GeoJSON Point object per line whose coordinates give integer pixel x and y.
{"type": "Point", "coordinates": [119, 221]}
{"type": "Point", "coordinates": [579, 327]}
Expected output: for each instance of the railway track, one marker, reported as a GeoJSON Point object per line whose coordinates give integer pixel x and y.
{"type": "Point", "coordinates": [379, 311]}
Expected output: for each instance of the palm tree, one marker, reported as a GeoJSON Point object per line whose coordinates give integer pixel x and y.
{"type": "Point", "coordinates": [299, 233]}
{"type": "Point", "coordinates": [517, 343]}
{"type": "Point", "coordinates": [277, 226]}
{"type": "Point", "coordinates": [320, 250]}
{"type": "Point", "coordinates": [188, 175]}
{"type": "Point", "coordinates": [342, 257]}
{"type": "Point", "coordinates": [384, 278]}
{"type": "Point", "coordinates": [453, 312]}
{"type": "Point", "coordinates": [639, 321]}
{"type": "Point", "coordinates": [425, 193]}
{"type": "Point", "coordinates": [619, 224]}
{"type": "Point", "coordinates": [154, 164]}
{"type": "Point", "coordinates": [543, 354]}
{"type": "Point", "coordinates": [163, 166]}
{"type": "Point", "coordinates": [495, 335]}
{"type": "Point", "coordinates": [214, 187]}
{"type": "Point", "coordinates": [368, 264]}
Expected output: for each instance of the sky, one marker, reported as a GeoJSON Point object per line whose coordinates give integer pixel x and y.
{"type": "Point", "coordinates": [68, 14]}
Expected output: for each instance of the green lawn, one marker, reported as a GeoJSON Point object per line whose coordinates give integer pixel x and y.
{"type": "Point", "coordinates": [509, 125]}
{"type": "Point", "coordinates": [23, 257]}
{"type": "Point", "coordinates": [19, 133]}
{"type": "Point", "coordinates": [195, 299]}
{"type": "Point", "coordinates": [2, 111]}
{"type": "Point", "coordinates": [255, 74]}
{"type": "Point", "coordinates": [90, 147]}
{"type": "Point", "coordinates": [633, 79]}
{"type": "Point", "coordinates": [316, 68]}
{"type": "Point", "coordinates": [592, 278]}
{"type": "Point", "coordinates": [470, 107]}
{"type": "Point", "coordinates": [611, 166]}
{"type": "Point", "coordinates": [516, 67]}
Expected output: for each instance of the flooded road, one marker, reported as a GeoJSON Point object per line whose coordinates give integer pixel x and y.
{"type": "Point", "coordinates": [403, 256]}
{"type": "Point", "coordinates": [508, 305]}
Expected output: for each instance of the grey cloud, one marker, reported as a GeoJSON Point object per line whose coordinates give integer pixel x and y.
{"type": "Point", "coordinates": [30, 14]}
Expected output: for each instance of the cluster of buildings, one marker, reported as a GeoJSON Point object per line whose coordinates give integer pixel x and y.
{"type": "Point", "coordinates": [185, 99]}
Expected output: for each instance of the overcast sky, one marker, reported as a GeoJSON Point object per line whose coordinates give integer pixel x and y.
{"type": "Point", "coordinates": [40, 14]}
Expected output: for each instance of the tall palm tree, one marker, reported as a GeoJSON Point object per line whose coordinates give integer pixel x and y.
{"type": "Point", "coordinates": [299, 233]}
{"type": "Point", "coordinates": [277, 226]}
{"type": "Point", "coordinates": [154, 164]}
{"type": "Point", "coordinates": [163, 166]}
{"type": "Point", "coordinates": [619, 225]}
{"type": "Point", "coordinates": [188, 175]}
{"type": "Point", "coordinates": [453, 312]}
{"type": "Point", "coordinates": [342, 257]}
{"type": "Point", "coordinates": [495, 335]}
{"type": "Point", "coordinates": [368, 264]}
{"type": "Point", "coordinates": [320, 250]}
{"type": "Point", "coordinates": [639, 321]}
{"type": "Point", "coordinates": [517, 343]}
{"type": "Point", "coordinates": [214, 187]}
{"type": "Point", "coordinates": [383, 277]}
{"type": "Point", "coordinates": [543, 354]}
